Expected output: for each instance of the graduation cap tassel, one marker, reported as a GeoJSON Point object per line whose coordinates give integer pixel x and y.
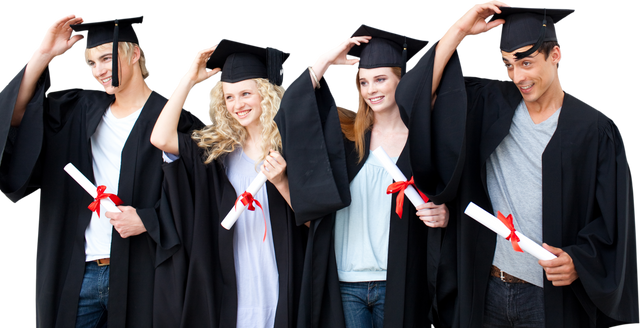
{"type": "Point", "coordinates": [404, 57]}
{"type": "Point", "coordinates": [114, 56]}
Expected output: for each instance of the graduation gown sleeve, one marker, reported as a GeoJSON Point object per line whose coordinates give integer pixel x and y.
{"type": "Point", "coordinates": [309, 125]}
{"type": "Point", "coordinates": [435, 134]}
{"type": "Point", "coordinates": [20, 147]}
{"type": "Point", "coordinates": [604, 253]}
{"type": "Point", "coordinates": [186, 290]}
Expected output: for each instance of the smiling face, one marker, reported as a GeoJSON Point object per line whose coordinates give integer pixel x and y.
{"type": "Point", "coordinates": [378, 88]}
{"type": "Point", "coordinates": [536, 76]}
{"type": "Point", "coordinates": [243, 102]}
{"type": "Point", "coordinates": [100, 60]}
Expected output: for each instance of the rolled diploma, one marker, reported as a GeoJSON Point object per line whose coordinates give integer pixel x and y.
{"type": "Point", "coordinates": [397, 175]}
{"type": "Point", "coordinates": [238, 208]}
{"type": "Point", "coordinates": [107, 204]}
{"type": "Point", "coordinates": [493, 223]}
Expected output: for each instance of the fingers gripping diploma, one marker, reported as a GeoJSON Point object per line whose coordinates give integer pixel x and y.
{"type": "Point", "coordinates": [433, 216]}
{"type": "Point", "coordinates": [275, 167]}
{"type": "Point", "coordinates": [560, 271]}
{"type": "Point", "coordinates": [127, 223]}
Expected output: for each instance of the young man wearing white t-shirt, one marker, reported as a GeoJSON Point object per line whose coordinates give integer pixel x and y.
{"type": "Point", "coordinates": [89, 275]}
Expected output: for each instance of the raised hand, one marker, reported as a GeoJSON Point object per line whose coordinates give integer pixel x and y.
{"type": "Point", "coordinates": [337, 56]}
{"type": "Point", "coordinates": [58, 38]}
{"type": "Point", "coordinates": [56, 41]}
{"type": "Point", "coordinates": [198, 71]}
{"type": "Point", "coordinates": [474, 21]}
{"type": "Point", "coordinates": [165, 135]}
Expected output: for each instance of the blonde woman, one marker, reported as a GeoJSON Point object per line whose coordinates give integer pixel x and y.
{"type": "Point", "coordinates": [248, 275]}
{"type": "Point", "coordinates": [367, 261]}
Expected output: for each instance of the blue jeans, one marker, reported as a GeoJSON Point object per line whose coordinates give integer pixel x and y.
{"type": "Point", "coordinates": [513, 305]}
{"type": "Point", "coordinates": [363, 303]}
{"type": "Point", "coordinates": [94, 297]}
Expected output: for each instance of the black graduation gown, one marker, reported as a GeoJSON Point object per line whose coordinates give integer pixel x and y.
{"type": "Point", "coordinates": [56, 129]}
{"type": "Point", "coordinates": [196, 287]}
{"type": "Point", "coordinates": [587, 206]}
{"type": "Point", "coordinates": [321, 165]}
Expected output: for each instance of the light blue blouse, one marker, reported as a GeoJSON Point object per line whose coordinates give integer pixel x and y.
{"type": "Point", "coordinates": [361, 231]}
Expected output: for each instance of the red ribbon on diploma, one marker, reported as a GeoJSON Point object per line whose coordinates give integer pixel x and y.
{"type": "Point", "coordinates": [508, 221]}
{"type": "Point", "coordinates": [95, 205]}
{"type": "Point", "coordinates": [399, 187]}
{"type": "Point", "coordinates": [247, 199]}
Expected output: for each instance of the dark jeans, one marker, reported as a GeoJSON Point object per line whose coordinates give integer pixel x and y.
{"type": "Point", "coordinates": [94, 297]}
{"type": "Point", "coordinates": [363, 303]}
{"type": "Point", "coordinates": [513, 305]}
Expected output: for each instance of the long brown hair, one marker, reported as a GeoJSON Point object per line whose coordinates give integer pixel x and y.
{"type": "Point", "coordinates": [355, 125]}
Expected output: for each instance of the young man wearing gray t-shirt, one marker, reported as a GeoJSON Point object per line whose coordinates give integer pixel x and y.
{"type": "Point", "coordinates": [554, 163]}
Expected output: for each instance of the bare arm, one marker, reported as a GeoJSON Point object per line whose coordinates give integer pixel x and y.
{"type": "Point", "coordinates": [57, 41]}
{"type": "Point", "coordinates": [473, 22]}
{"type": "Point", "coordinates": [337, 56]}
{"type": "Point", "coordinates": [165, 132]}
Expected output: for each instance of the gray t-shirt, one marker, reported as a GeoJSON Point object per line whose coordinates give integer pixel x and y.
{"type": "Point", "coordinates": [514, 180]}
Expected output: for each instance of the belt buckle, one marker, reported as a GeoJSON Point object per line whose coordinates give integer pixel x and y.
{"type": "Point", "coordinates": [103, 262]}
{"type": "Point", "coordinates": [502, 276]}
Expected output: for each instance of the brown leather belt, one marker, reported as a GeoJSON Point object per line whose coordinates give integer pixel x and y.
{"type": "Point", "coordinates": [103, 262]}
{"type": "Point", "coordinates": [505, 277]}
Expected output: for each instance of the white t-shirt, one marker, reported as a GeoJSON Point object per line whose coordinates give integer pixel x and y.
{"type": "Point", "coordinates": [255, 260]}
{"type": "Point", "coordinates": [106, 147]}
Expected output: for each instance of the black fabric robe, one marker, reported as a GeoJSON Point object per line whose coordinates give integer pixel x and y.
{"type": "Point", "coordinates": [56, 130]}
{"type": "Point", "coordinates": [321, 165]}
{"type": "Point", "coordinates": [196, 287]}
{"type": "Point", "coordinates": [587, 204]}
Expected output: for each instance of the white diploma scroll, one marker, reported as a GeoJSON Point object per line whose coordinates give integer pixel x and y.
{"type": "Point", "coordinates": [238, 208]}
{"type": "Point", "coordinates": [493, 223]}
{"type": "Point", "coordinates": [106, 203]}
{"type": "Point", "coordinates": [397, 175]}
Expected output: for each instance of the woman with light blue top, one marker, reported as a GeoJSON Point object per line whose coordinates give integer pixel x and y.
{"type": "Point", "coordinates": [366, 265]}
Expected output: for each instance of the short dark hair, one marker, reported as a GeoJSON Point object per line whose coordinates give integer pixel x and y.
{"type": "Point", "coordinates": [547, 46]}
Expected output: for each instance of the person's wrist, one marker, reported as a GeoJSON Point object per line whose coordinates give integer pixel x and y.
{"type": "Point", "coordinates": [38, 56]}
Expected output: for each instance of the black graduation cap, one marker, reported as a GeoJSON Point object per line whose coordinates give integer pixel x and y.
{"type": "Point", "coordinates": [119, 30]}
{"type": "Point", "coordinates": [241, 61]}
{"type": "Point", "coordinates": [385, 49]}
{"type": "Point", "coordinates": [528, 26]}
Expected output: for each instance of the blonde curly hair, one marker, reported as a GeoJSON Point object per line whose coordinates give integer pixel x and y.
{"type": "Point", "coordinates": [225, 133]}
